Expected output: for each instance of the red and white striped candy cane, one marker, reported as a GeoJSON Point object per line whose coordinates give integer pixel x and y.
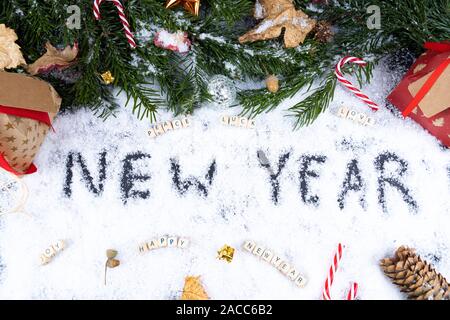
{"type": "Point", "coordinates": [353, 291]}
{"type": "Point", "coordinates": [330, 277]}
{"type": "Point", "coordinates": [123, 19]}
{"type": "Point", "coordinates": [349, 85]}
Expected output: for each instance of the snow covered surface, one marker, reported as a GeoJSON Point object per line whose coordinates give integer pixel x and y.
{"type": "Point", "coordinates": [239, 206]}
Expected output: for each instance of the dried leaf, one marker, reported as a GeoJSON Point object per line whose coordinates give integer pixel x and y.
{"type": "Point", "coordinates": [10, 54]}
{"type": "Point", "coordinates": [277, 16]}
{"type": "Point", "coordinates": [54, 59]}
{"type": "Point", "coordinates": [112, 263]}
{"type": "Point", "coordinates": [193, 289]}
{"type": "Point", "coordinates": [111, 253]}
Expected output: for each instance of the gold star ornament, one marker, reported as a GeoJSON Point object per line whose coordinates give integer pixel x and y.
{"type": "Point", "coordinates": [192, 6]}
{"type": "Point", "coordinates": [107, 77]}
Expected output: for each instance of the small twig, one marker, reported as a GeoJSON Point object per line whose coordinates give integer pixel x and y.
{"type": "Point", "coordinates": [106, 269]}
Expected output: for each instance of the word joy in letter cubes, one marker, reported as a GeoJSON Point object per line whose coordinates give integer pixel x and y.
{"type": "Point", "coordinates": [164, 127]}
{"type": "Point", "coordinates": [164, 242]}
{"type": "Point", "coordinates": [51, 251]}
{"type": "Point", "coordinates": [276, 261]}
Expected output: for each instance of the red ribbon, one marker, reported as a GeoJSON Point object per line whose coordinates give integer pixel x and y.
{"type": "Point", "coordinates": [30, 114]}
{"type": "Point", "coordinates": [23, 113]}
{"type": "Point", "coordinates": [435, 46]}
{"type": "Point", "coordinates": [5, 165]}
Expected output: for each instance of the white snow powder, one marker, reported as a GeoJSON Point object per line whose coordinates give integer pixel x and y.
{"type": "Point", "coordinates": [239, 206]}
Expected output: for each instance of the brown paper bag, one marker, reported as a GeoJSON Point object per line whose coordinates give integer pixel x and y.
{"type": "Point", "coordinates": [22, 100]}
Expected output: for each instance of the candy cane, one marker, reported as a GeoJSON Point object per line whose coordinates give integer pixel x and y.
{"type": "Point", "coordinates": [349, 85]}
{"type": "Point", "coordinates": [353, 291]}
{"type": "Point", "coordinates": [329, 281]}
{"type": "Point", "coordinates": [122, 17]}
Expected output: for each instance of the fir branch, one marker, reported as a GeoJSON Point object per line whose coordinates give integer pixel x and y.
{"type": "Point", "coordinates": [403, 23]}
{"type": "Point", "coordinates": [309, 109]}
{"type": "Point", "coordinates": [228, 11]}
{"type": "Point", "coordinates": [249, 61]}
{"type": "Point", "coordinates": [255, 102]}
{"type": "Point", "coordinates": [155, 78]}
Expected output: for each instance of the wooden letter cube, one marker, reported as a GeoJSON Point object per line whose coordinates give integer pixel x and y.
{"type": "Point", "coordinates": [284, 267]}
{"type": "Point", "coordinates": [243, 122]}
{"type": "Point", "coordinates": [186, 122]}
{"type": "Point", "coordinates": [182, 243]}
{"type": "Point", "coordinates": [249, 246]}
{"type": "Point", "coordinates": [300, 281]}
{"type": "Point", "coordinates": [167, 126]}
{"type": "Point", "coordinates": [153, 244]}
{"type": "Point", "coordinates": [258, 251]}
{"type": "Point", "coordinates": [152, 133]}
{"type": "Point", "coordinates": [44, 259]}
{"type": "Point", "coordinates": [159, 129]}
{"type": "Point", "coordinates": [60, 245]}
{"type": "Point", "coordinates": [276, 261]}
{"type": "Point", "coordinates": [343, 112]}
{"type": "Point", "coordinates": [50, 252]}
{"type": "Point", "coordinates": [176, 124]}
{"type": "Point", "coordinates": [352, 115]}
{"type": "Point", "coordinates": [251, 124]}
{"type": "Point", "coordinates": [293, 274]}
{"type": "Point", "coordinates": [225, 120]}
{"type": "Point", "coordinates": [172, 242]}
{"type": "Point", "coordinates": [361, 119]}
{"type": "Point", "coordinates": [370, 122]}
{"type": "Point", "coordinates": [143, 247]}
{"type": "Point", "coordinates": [162, 242]}
{"type": "Point", "coordinates": [234, 121]}
{"type": "Point", "coordinates": [267, 256]}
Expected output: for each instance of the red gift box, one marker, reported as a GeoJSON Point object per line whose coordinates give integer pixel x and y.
{"type": "Point", "coordinates": [424, 92]}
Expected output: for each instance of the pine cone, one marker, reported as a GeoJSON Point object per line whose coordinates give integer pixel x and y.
{"type": "Point", "coordinates": [415, 277]}
{"type": "Point", "coordinates": [323, 32]}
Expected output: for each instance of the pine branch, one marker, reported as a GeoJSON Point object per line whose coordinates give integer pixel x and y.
{"type": "Point", "coordinates": [309, 109]}
{"type": "Point", "coordinates": [228, 11]}
{"type": "Point", "coordinates": [154, 78]}
{"type": "Point", "coordinates": [403, 24]}
{"type": "Point", "coordinates": [255, 102]}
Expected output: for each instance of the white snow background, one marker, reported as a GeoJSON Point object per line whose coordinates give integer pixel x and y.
{"type": "Point", "coordinates": [238, 207]}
